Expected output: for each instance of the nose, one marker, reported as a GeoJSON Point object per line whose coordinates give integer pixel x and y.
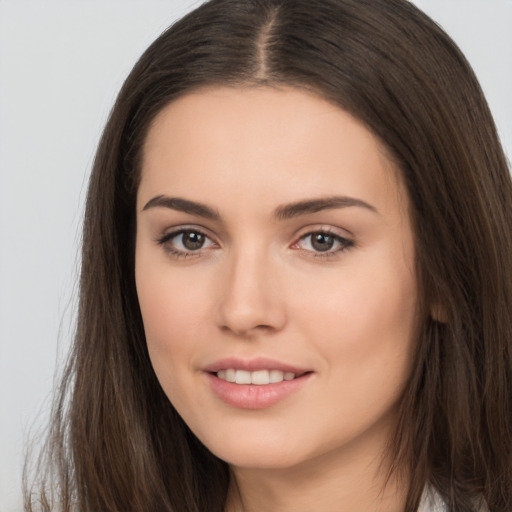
{"type": "Point", "coordinates": [251, 295]}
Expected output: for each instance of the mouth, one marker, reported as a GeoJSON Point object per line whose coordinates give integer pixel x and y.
{"type": "Point", "coordinates": [255, 384]}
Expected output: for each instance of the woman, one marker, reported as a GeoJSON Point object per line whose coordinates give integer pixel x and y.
{"type": "Point", "coordinates": [295, 288]}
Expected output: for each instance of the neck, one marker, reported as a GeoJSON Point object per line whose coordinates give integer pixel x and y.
{"type": "Point", "coordinates": [336, 482]}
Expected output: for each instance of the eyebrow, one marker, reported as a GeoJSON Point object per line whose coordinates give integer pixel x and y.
{"type": "Point", "coordinates": [316, 205]}
{"type": "Point", "coordinates": [283, 212]}
{"type": "Point", "coordinates": [183, 205]}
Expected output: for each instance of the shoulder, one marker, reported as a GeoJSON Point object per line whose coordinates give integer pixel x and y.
{"type": "Point", "coordinates": [431, 501]}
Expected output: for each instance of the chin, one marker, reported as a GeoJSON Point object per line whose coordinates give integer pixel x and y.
{"type": "Point", "coordinates": [256, 459]}
{"type": "Point", "coordinates": [256, 452]}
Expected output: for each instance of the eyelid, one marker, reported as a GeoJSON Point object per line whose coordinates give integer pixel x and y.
{"type": "Point", "coordinates": [324, 228]}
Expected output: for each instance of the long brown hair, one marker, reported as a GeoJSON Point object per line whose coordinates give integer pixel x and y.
{"type": "Point", "coordinates": [116, 443]}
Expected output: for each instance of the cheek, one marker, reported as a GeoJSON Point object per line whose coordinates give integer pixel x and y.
{"type": "Point", "coordinates": [366, 336]}
{"type": "Point", "coordinates": [364, 323]}
{"type": "Point", "coordinates": [173, 311]}
{"type": "Point", "coordinates": [354, 304]}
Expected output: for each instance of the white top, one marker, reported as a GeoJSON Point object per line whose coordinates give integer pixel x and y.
{"type": "Point", "coordinates": [431, 501]}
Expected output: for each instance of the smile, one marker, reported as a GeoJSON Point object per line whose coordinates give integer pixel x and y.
{"type": "Point", "coordinates": [259, 377]}
{"type": "Point", "coordinates": [256, 383]}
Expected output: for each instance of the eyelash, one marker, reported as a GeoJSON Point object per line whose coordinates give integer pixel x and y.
{"type": "Point", "coordinates": [345, 243]}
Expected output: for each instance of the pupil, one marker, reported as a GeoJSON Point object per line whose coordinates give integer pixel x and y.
{"type": "Point", "coordinates": [193, 241]}
{"type": "Point", "coordinates": [322, 242]}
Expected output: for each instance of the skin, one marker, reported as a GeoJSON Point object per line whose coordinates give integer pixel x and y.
{"type": "Point", "coordinates": [259, 287]}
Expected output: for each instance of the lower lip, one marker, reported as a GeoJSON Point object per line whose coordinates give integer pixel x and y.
{"type": "Point", "coordinates": [253, 396]}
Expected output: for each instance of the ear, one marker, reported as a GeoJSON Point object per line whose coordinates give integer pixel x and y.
{"type": "Point", "coordinates": [438, 313]}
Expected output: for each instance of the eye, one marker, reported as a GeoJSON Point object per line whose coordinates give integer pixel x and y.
{"type": "Point", "coordinates": [185, 242]}
{"type": "Point", "coordinates": [323, 243]}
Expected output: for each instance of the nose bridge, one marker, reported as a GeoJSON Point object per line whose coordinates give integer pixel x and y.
{"type": "Point", "coordinates": [250, 298]}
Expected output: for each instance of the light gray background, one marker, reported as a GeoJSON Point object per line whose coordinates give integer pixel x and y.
{"type": "Point", "coordinates": [61, 65]}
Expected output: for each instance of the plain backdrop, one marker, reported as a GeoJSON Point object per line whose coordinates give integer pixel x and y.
{"type": "Point", "coordinates": [61, 65]}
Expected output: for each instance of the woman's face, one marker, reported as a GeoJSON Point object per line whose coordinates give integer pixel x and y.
{"type": "Point", "coordinates": [274, 248]}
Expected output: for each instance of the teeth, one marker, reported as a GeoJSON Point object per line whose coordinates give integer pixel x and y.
{"type": "Point", "coordinates": [275, 376]}
{"type": "Point", "coordinates": [259, 377]}
{"type": "Point", "coordinates": [242, 377]}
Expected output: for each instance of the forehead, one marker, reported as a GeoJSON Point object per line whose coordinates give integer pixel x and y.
{"type": "Point", "coordinates": [263, 142]}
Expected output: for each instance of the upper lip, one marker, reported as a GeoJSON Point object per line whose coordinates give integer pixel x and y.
{"type": "Point", "coordinates": [252, 365]}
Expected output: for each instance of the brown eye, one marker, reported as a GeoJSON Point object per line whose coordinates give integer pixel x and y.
{"type": "Point", "coordinates": [192, 240]}
{"type": "Point", "coordinates": [322, 241]}
{"type": "Point", "coordinates": [185, 242]}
